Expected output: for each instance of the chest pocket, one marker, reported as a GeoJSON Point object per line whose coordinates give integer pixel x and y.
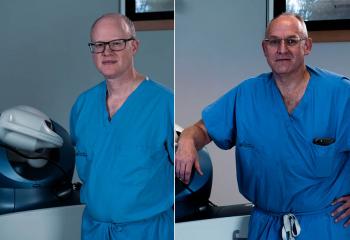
{"type": "Point", "coordinates": [325, 159]}
{"type": "Point", "coordinates": [138, 164]}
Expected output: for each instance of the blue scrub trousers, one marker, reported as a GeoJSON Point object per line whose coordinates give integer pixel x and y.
{"type": "Point", "coordinates": [159, 227]}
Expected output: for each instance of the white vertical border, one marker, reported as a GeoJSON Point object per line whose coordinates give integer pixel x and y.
{"type": "Point", "coordinates": [122, 6]}
{"type": "Point", "coordinates": [269, 10]}
{"type": "Point", "coordinates": [174, 121]}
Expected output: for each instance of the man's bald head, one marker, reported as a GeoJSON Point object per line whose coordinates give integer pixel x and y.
{"type": "Point", "coordinates": [120, 20]}
{"type": "Point", "coordinates": [303, 30]}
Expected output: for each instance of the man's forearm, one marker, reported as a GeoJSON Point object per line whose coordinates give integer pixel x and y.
{"type": "Point", "coordinates": [196, 135]}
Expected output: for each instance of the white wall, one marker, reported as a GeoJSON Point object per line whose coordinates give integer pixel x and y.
{"type": "Point", "coordinates": [217, 46]}
{"type": "Point", "coordinates": [332, 56]}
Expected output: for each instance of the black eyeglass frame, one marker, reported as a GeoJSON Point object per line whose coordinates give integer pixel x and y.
{"type": "Point", "coordinates": [92, 44]}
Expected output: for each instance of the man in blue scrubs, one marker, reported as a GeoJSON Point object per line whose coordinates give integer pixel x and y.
{"type": "Point", "coordinates": [291, 129]}
{"type": "Point", "coordinates": [122, 129]}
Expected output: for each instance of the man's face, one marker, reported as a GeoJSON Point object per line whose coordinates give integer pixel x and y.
{"type": "Point", "coordinates": [113, 64]}
{"type": "Point", "coordinates": [286, 57]}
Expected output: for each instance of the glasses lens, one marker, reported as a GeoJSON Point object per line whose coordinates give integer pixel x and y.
{"type": "Point", "coordinates": [99, 47]}
{"type": "Point", "coordinates": [292, 41]}
{"type": "Point", "coordinates": [117, 45]}
{"type": "Point", "coordinates": [274, 42]}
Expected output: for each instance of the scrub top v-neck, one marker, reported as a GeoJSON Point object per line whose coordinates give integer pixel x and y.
{"type": "Point", "coordinates": [130, 100]}
{"type": "Point", "coordinates": [126, 163]}
{"type": "Point", "coordinates": [298, 110]}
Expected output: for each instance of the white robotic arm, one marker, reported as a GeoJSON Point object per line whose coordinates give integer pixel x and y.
{"type": "Point", "coordinates": [26, 128]}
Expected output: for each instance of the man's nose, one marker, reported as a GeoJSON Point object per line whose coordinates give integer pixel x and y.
{"type": "Point", "coordinates": [107, 50]}
{"type": "Point", "coordinates": [282, 46]}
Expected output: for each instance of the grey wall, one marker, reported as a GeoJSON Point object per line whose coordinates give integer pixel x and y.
{"type": "Point", "coordinates": [217, 46]}
{"type": "Point", "coordinates": [156, 56]}
{"type": "Point", "coordinates": [45, 61]}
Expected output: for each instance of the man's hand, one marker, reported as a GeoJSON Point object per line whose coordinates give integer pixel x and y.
{"type": "Point", "coordinates": [191, 140]}
{"type": "Point", "coordinates": [343, 209]}
{"type": "Point", "coordinates": [186, 156]}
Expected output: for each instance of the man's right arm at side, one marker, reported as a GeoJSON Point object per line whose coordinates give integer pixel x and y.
{"type": "Point", "coordinates": [191, 140]}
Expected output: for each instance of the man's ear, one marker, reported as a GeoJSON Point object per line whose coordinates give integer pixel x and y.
{"type": "Point", "coordinates": [263, 45]}
{"type": "Point", "coordinates": [307, 46]}
{"type": "Point", "coordinates": [135, 45]}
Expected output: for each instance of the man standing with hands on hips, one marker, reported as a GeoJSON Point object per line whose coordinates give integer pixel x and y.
{"type": "Point", "coordinates": [123, 132]}
{"type": "Point", "coordinates": [291, 129]}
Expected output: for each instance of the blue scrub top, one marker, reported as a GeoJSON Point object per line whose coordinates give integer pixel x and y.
{"type": "Point", "coordinates": [125, 162]}
{"type": "Point", "coordinates": [279, 168]}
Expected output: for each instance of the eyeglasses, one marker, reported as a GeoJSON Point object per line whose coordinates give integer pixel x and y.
{"type": "Point", "coordinates": [290, 42]}
{"type": "Point", "coordinates": [114, 45]}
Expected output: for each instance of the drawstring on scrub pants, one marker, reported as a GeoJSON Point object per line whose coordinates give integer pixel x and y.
{"type": "Point", "coordinates": [291, 227]}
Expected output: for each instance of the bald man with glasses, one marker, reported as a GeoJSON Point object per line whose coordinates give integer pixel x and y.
{"type": "Point", "coordinates": [122, 129]}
